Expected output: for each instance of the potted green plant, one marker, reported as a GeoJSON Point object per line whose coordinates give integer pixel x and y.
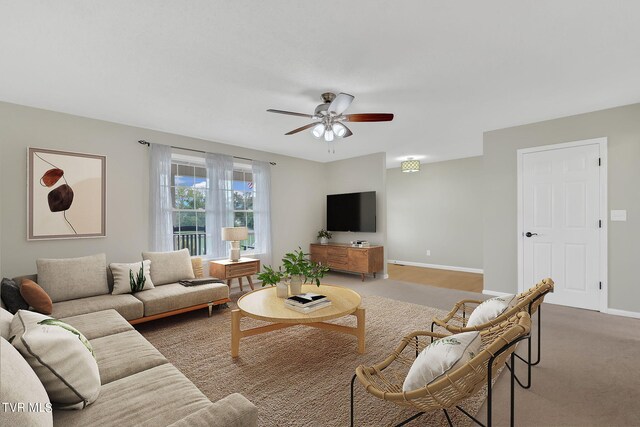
{"type": "Point", "coordinates": [324, 236]}
{"type": "Point", "coordinates": [315, 272]}
{"type": "Point", "coordinates": [271, 277]}
{"type": "Point", "coordinates": [302, 270]}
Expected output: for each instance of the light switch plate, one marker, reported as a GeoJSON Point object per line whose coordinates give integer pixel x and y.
{"type": "Point", "coordinates": [618, 215]}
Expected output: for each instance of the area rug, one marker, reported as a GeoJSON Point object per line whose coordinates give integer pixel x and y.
{"type": "Point", "coordinates": [298, 376]}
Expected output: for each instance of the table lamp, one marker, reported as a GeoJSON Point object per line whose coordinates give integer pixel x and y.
{"type": "Point", "coordinates": [234, 235]}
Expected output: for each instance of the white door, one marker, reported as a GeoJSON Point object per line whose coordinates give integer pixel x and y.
{"type": "Point", "coordinates": [561, 223]}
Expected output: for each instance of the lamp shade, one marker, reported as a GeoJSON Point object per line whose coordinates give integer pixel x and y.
{"type": "Point", "coordinates": [234, 233]}
{"type": "Point", "coordinates": [410, 166]}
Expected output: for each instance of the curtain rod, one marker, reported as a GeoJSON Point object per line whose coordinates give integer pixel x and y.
{"type": "Point", "coordinates": [148, 144]}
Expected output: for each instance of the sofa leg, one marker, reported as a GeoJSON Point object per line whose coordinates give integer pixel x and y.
{"type": "Point", "coordinates": [210, 308]}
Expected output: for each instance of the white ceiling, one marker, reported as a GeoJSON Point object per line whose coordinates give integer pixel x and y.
{"type": "Point", "coordinates": [210, 69]}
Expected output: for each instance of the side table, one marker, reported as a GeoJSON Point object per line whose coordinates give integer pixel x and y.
{"type": "Point", "coordinates": [227, 270]}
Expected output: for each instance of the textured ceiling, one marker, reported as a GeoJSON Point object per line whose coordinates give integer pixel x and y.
{"type": "Point", "coordinates": [210, 69]}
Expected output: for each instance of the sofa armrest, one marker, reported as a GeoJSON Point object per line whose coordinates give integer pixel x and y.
{"type": "Point", "coordinates": [232, 411]}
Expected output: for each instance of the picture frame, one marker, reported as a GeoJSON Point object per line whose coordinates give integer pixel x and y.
{"type": "Point", "coordinates": [66, 195]}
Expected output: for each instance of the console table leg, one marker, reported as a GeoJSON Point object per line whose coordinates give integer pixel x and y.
{"type": "Point", "coordinates": [235, 332]}
{"type": "Point", "coordinates": [240, 281]}
{"type": "Point", "coordinates": [359, 313]}
{"type": "Point", "coordinates": [250, 282]}
{"type": "Point", "coordinates": [362, 276]}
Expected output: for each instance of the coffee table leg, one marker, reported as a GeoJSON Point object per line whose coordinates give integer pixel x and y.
{"type": "Point", "coordinates": [235, 332]}
{"type": "Point", "coordinates": [359, 313]}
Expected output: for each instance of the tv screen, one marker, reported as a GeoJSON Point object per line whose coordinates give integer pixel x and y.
{"type": "Point", "coordinates": [352, 212]}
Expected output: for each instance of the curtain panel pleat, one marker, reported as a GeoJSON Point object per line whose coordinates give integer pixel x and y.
{"type": "Point", "coordinates": [262, 211]}
{"type": "Point", "coordinates": [219, 202]}
{"type": "Point", "coordinates": [160, 204]}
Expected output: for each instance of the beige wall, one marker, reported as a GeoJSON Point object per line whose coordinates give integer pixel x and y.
{"type": "Point", "coordinates": [622, 128]}
{"type": "Point", "coordinates": [365, 173]}
{"type": "Point", "coordinates": [437, 209]}
{"type": "Point", "coordinates": [298, 186]}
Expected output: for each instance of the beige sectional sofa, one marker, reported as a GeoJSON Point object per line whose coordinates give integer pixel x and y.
{"type": "Point", "coordinates": [139, 386]}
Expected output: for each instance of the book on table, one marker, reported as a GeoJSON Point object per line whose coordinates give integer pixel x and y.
{"type": "Point", "coordinates": [310, 309]}
{"type": "Point", "coordinates": [306, 300]}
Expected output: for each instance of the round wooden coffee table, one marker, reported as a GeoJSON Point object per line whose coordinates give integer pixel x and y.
{"type": "Point", "coordinates": [263, 304]}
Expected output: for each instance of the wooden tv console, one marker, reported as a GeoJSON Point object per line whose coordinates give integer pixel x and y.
{"type": "Point", "coordinates": [343, 256]}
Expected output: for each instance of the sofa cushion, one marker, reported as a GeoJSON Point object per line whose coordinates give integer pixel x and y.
{"type": "Point", "coordinates": [99, 324]}
{"type": "Point", "coordinates": [175, 296]}
{"type": "Point", "coordinates": [154, 397]}
{"type": "Point", "coordinates": [5, 324]}
{"type": "Point", "coordinates": [127, 305]}
{"type": "Point", "coordinates": [121, 276]}
{"type": "Point", "coordinates": [61, 357]}
{"type": "Point", "coordinates": [169, 267]}
{"type": "Point", "coordinates": [21, 384]}
{"type": "Point", "coordinates": [36, 297]}
{"type": "Point", "coordinates": [72, 278]}
{"type": "Point", "coordinates": [234, 410]}
{"type": "Point", "coordinates": [124, 354]}
{"type": "Point", "coordinates": [10, 294]}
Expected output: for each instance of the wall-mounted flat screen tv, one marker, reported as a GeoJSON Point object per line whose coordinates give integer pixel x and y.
{"type": "Point", "coordinates": [352, 212]}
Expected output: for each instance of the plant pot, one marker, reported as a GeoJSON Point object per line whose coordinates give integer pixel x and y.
{"type": "Point", "coordinates": [282, 290]}
{"type": "Point", "coordinates": [324, 240]}
{"type": "Point", "coordinates": [296, 285]}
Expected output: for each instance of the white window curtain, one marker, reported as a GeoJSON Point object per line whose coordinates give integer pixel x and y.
{"type": "Point", "coordinates": [219, 202]}
{"type": "Point", "coordinates": [160, 205]}
{"type": "Point", "coordinates": [262, 211]}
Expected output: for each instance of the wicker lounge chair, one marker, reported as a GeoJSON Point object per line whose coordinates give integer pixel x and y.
{"type": "Point", "coordinates": [384, 380]}
{"type": "Point", "coordinates": [529, 301]}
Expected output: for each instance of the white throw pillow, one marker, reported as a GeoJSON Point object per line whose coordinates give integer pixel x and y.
{"type": "Point", "coordinates": [441, 356]}
{"type": "Point", "coordinates": [121, 282]}
{"type": "Point", "coordinates": [61, 357]}
{"type": "Point", "coordinates": [490, 309]}
{"type": "Point", "coordinates": [5, 323]}
{"type": "Point", "coordinates": [169, 267]}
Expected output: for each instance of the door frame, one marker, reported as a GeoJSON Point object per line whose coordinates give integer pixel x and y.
{"type": "Point", "coordinates": [604, 262]}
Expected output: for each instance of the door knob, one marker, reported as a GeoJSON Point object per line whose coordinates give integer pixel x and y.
{"type": "Point", "coordinates": [529, 234]}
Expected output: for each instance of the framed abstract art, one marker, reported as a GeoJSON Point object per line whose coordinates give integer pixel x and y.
{"type": "Point", "coordinates": [66, 195]}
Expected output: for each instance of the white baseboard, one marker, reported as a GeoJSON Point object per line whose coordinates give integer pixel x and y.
{"type": "Point", "coordinates": [495, 293]}
{"type": "Point", "coordinates": [625, 313]}
{"type": "Point", "coordinates": [438, 266]}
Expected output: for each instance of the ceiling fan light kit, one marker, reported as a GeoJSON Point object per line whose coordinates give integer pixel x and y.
{"type": "Point", "coordinates": [329, 117]}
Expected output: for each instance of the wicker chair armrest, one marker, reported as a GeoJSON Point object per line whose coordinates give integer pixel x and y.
{"type": "Point", "coordinates": [407, 340]}
{"type": "Point", "coordinates": [462, 306]}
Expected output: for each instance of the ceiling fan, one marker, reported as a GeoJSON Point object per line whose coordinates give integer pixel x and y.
{"type": "Point", "coordinates": [329, 120]}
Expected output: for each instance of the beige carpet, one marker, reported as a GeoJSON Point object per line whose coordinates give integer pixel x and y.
{"type": "Point", "coordinates": [297, 376]}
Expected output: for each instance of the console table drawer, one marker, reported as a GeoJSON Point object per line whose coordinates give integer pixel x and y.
{"type": "Point", "coordinates": [337, 252]}
{"type": "Point", "coordinates": [340, 263]}
{"type": "Point", "coordinates": [242, 269]}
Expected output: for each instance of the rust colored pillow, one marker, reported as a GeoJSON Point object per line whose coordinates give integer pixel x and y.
{"type": "Point", "coordinates": [196, 263]}
{"type": "Point", "coordinates": [36, 297]}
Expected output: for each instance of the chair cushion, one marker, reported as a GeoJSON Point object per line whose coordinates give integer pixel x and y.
{"type": "Point", "coordinates": [61, 357]}
{"type": "Point", "coordinates": [169, 267]}
{"type": "Point", "coordinates": [124, 354]}
{"type": "Point", "coordinates": [5, 324]}
{"type": "Point", "coordinates": [174, 296]}
{"type": "Point", "coordinates": [20, 384]}
{"type": "Point", "coordinates": [127, 305]}
{"type": "Point", "coordinates": [441, 356]}
{"type": "Point", "coordinates": [154, 397]}
{"type": "Point", "coordinates": [10, 293]}
{"type": "Point", "coordinates": [99, 324]}
{"type": "Point", "coordinates": [490, 309]}
{"type": "Point", "coordinates": [72, 278]}
{"type": "Point", "coordinates": [36, 297]}
{"type": "Point", "coordinates": [121, 282]}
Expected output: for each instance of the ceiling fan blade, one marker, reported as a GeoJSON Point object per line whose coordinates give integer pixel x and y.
{"type": "Point", "coordinates": [300, 129]}
{"type": "Point", "coordinates": [341, 103]}
{"type": "Point", "coordinates": [290, 113]}
{"type": "Point", "coordinates": [369, 117]}
{"type": "Point", "coordinates": [348, 133]}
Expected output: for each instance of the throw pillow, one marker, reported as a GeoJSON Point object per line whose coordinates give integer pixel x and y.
{"type": "Point", "coordinates": [169, 267]}
{"type": "Point", "coordinates": [5, 325]}
{"type": "Point", "coordinates": [490, 309]}
{"type": "Point", "coordinates": [73, 278]}
{"type": "Point", "coordinates": [61, 357]}
{"type": "Point", "coordinates": [10, 293]}
{"type": "Point", "coordinates": [36, 297]}
{"type": "Point", "coordinates": [122, 276]}
{"type": "Point", "coordinates": [21, 385]}
{"type": "Point", "coordinates": [441, 356]}
{"type": "Point", "coordinates": [196, 264]}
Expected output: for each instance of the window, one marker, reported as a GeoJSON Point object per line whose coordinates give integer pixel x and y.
{"type": "Point", "coordinates": [189, 186]}
{"type": "Point", "coordinates": [188, 192]}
